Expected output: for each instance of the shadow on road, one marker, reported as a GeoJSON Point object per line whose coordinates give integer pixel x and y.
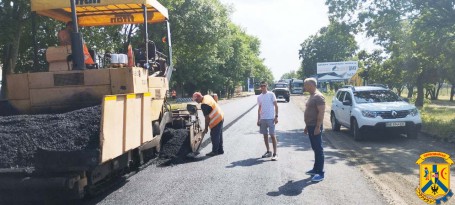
{"type": "Point", "coordinates": [107, 190]}
{"type": "Point", "coordinates": [293, 138]}
{"type": "Point", "coordinates": [180, 160]}
{"type": "Point", "coordinates": [246, 163]}
{"type": "Point", "coordinates": [292, 188]}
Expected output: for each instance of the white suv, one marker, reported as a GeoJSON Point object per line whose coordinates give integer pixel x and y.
{"type": "Point", "coordinates": [373, 108]}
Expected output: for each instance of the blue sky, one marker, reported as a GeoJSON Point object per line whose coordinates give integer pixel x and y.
{"type": "Point", "coordinates": [282, 25]}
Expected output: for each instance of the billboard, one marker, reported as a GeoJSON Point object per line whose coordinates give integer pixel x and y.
{"type": "Point", "coordinates": [336, 71]}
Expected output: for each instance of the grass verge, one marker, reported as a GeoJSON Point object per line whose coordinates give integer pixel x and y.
{"type": "Point", "coordinates": [438, 118]}
{"type": "Point", "coordinates": [439, 122]}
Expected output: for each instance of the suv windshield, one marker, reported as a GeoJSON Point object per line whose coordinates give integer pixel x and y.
{"type": "Point", "coordinates": [280, 85]}
{"type": "Point", "coordinates": [297, 85]}
{"type": "Point", "coordinates": [374, 96]}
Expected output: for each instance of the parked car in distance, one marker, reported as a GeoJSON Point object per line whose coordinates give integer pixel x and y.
{"type": "Point", "coordinates": [281, 90]}
{"type": "Point", "coordinates": [375, 108]}
{"type": "Point", "coordinates": [257, 88]}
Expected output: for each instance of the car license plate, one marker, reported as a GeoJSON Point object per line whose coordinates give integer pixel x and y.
{"type": "Point", "coordinates": [395, 124]}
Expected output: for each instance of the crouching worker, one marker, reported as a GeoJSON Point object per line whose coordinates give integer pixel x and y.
{"type": "Point", "coordinates": [214, 118]}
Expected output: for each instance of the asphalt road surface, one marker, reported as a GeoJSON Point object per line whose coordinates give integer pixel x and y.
{"type": "Point", "coordinates": [241, 176]}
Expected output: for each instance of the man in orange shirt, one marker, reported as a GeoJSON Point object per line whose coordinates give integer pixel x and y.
{"type": "Point", "coordinates": [64, 37]}
{"type": "Point", "coordinates": [214, 118]}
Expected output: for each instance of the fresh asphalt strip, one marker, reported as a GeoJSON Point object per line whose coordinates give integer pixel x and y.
{"type": "Point", "coordinates": [207, 139]}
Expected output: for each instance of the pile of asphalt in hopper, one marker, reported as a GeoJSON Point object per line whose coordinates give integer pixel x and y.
{"type": "Point", "coordinates": [22, 135]}
{"type": "Point", "coordinates": [175, 147]}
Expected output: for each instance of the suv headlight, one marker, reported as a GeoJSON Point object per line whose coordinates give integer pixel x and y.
{"type": "Point", "coordinates": [369, 114]}
{"type": "Point", "coordinates": [413, 112]}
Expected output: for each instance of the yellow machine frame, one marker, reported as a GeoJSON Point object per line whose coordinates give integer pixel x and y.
{"type": "Point", "coordinates": [102, 12]}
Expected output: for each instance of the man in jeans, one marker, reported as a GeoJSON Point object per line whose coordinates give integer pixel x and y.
{"type": "Point", "coordinates": [314, 117]}
{"type": "Point", "coordinates": [267, 118]}
{"type": "Point", "coordinates": [214, 118]}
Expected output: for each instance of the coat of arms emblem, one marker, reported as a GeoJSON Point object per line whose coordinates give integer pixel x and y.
{"type": "Point", "coordinates": [434, 186]}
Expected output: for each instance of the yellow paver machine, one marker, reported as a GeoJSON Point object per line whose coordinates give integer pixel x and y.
{"type": "Point", "coordinates": [134, 110]}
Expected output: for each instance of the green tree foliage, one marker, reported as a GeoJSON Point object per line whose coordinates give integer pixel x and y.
{"type": "Point", "coordinates": [370, 66]}
{"type": "Point", "coordinates": [46, 32]}
{"type": "Point", "coordinates": [198, 30]}
{"type": "Point", "coordinates": [241, 58]}
{"type": "Point", "coordinates": [13, 19]}
{"type": "Point", "coordinates": [331, 44]}
{"type": "Point", "coordinates": [417, 35]}
{"type": "Point", "coordinates": [290, 75]}
{"type": "Point", "coordinates": [209, 51]}
{"type": "Point", "coordinates": [107, 39]}
{"type": "Point", "coordinates": [18, 45]}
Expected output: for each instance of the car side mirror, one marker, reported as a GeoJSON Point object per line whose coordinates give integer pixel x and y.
{"type": "Point", "coordinates": [406, 100]}
{"type": "Point", "coordinates": [347, 102]}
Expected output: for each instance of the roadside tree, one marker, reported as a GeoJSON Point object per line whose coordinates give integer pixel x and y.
{"type": "Point", "coordinates": [290, 75]}
{"type": "Point", "coordinates": [424, 28]}
{"type": "Point", "coordinates": [331, 44]}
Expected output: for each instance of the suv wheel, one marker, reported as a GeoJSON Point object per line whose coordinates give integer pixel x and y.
{"type": "Point", "coordinates": [288, 99]}
{"type": "Point", "coordinates": [355, 130]}
{"type": "Point", "coordinates": [335, 125]}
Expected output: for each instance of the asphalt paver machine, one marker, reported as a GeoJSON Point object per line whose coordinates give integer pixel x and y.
{"type": "Point", "coordinates": [132, 96]}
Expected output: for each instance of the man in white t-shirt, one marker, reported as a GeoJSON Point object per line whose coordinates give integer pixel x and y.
{"type": "Point", "coordinates": [267, 118]}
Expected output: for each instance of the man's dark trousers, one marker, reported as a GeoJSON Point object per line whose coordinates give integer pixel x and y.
{"type": "Point", "coordinates": [316, 145]}
{"type": "Point", "coordinates": [216, 135]}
